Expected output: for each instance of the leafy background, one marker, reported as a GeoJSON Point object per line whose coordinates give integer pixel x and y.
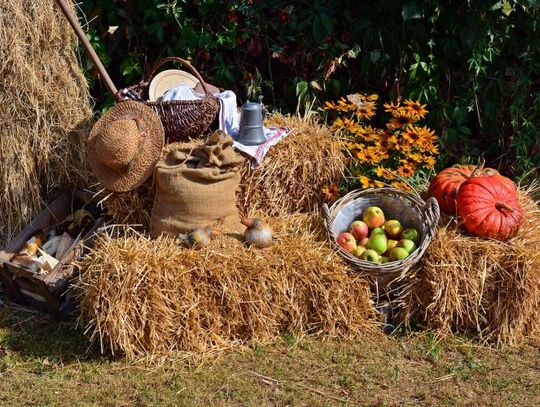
{"type": "Point", "coordinates": [475, 63]}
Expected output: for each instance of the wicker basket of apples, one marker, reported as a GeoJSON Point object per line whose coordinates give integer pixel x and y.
{"type": "Point", "coordinates": [383, 232]}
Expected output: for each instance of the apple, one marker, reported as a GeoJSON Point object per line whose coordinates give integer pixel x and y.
{"type": "Point", "coordinates": [377, 231]}
{"type": "Point", "coordinates": [358, 250]}
{"type": "Point", "coordinates": [411, 234]}
{"type": "Point", "coordinates": [359, 229]}
{"type": "Point", "coordinates": [371, 255]}
{"type": "Point", "coordinates": [393, 228]}
{"type": "Point", "coordinates": [346, 241]}
{"type": "Point", "coordinates": [364, 241]}
{"type": "Point", "coordinates": [385, 259]}
{"type": "Point", "coordinates": [407, 245]}
{"type": "Point", "coordinates": [398, 253]}
{"type": "Point", "coordinates": [374, 217]}
{"type": "Point", "coordinates": [379, 243]}
{"type": "Point", "coordinates": [390, 245]}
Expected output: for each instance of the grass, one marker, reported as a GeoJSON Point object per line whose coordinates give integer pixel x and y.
{"type": "Point", "coordinates": [43, 362]}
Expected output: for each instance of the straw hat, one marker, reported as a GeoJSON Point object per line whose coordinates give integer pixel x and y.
{"type": "Point", "coordinates": [169, 79]}
{"type": "Point", "coordinates": [125, 145]}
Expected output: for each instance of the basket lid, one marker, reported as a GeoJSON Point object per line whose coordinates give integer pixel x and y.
{"type": "Point", "coordinates": [169, 79]}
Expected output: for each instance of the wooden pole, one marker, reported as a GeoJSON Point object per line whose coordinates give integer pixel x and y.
{"type": "Point", "coordinates": [87, 46]}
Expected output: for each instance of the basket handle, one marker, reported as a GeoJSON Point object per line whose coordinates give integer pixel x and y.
{"type": "Point", "coordinates": [433, 210]}
{"type": "Point", "coordinates": [148, 77]}
{"type": "Point", "coordinates": [326, 213]}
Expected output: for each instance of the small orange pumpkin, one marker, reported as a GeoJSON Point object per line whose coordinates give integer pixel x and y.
{"type": "Point", "coordinates": [488, 206]}
{"type": "Point", "coordinates": [445, 186]}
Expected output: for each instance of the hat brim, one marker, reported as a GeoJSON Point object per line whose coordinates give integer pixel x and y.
{"type": "Point", "coordinates": [142, 166]}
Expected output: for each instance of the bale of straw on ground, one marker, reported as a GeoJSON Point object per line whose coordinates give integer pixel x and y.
{"type": "Point", "coordinates": [140, 296]}
{"type": "Point", "coordinates": [45, 111]}
{"type": "Point", "coordinates": [295, 170]}
{"type": "Point", "coordinates": [482, 287]}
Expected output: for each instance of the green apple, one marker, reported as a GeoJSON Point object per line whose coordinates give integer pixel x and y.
{"type": "Point", "coordinates": [379, 243]}
{"type": "Point", "coordinates": [371, 255]}
{"type": "Point", "coordinates": [390, 245]}
{"type": "Point", "coordinates": [377, 231]}
{"type": "Point", "coordinates": [393, 228]}
{"type": "Point", "coordinates": [385, 259]}
{"type": "Point", "coordinates": [358, 250]}
{"type": "Point", "coordinates": [398, 253]}
{"type": "Point", "coordinates": [408, 245]}
{"type": "Point", "coordinates": [373, 217]}
{"type": "Point", "coordinates": [411, 234]}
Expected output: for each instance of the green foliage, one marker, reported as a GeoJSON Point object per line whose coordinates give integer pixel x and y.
{"type": "Point", "coordinates": [476, 63]}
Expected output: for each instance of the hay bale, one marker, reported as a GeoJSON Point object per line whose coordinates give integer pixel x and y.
{"type": "Point", "coordinates": [44, 110]}
{"type": "Point", "coordinates": [295, 171]}
{"type": "Point", "coordinates": [132, 207]}
{"type": "Point", "coordinates": [140, 296]}
{"type": "Point", "coordinates": [290, 179]}
{"type": "Point", "coordinates": [482, 287]}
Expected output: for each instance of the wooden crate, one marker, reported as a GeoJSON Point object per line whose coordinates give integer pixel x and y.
{"type": "Point", "coordinates": [48, 292]}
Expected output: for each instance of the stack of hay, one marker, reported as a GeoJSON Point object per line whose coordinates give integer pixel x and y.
{"type": "Point", "coordinates": [140, 296]}
{"type": "Point", "coordinates": [290, 179]}
{"type": "Point", "coordinates": [45, 112]}
{"type": "Point", "coordinates": [295, 171]}
{"type": "Point", "coordinates": [488, 288]}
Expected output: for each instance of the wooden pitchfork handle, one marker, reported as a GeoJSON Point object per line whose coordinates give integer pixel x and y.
{"type": "Point", "coordinates": [87, 46]}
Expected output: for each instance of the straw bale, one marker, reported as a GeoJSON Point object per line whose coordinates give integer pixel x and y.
{"type": "Point", "coordinates": [486, 288]}
{"type": "Point", "coordinates": [45, 110]}
{"type": "Point", "coordinates": [295, 170]}
{"type": "Point", "coordinates": [140, 296]}
{"type": "Point", "coordinates": [290, 179]}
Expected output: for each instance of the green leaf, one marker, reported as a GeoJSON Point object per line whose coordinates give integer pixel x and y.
{"type": "Point", "coordinates": [460, 115]}
{"type": "Point", "coordinates": [301, 88]}
{"type": "Point", "coordinates": [411, 11]}
{"type": "Point", "coordinates": [375, 55]}
{"type": "Point", "coordinates": [465, 130]}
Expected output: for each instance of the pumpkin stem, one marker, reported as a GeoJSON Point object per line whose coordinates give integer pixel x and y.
{"type": "Point", "coordinates": [502, 205]}
{"type": "Point", "coordinates": [479, 167]}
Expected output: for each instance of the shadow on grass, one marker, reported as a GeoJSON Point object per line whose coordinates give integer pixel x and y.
{"type": "Point", "coordinates": [34, 335]}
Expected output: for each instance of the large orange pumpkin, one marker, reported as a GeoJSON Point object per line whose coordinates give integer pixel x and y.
{"type": "Point", "coordinates": [488, 206]}
{"type": "Point", "coordinates": [445, 185]}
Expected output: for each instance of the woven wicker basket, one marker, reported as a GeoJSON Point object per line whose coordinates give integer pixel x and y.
{"type": "Point", "coordinates": [408, 208]}
{"type": "Point", "coordinates": [181, 119]}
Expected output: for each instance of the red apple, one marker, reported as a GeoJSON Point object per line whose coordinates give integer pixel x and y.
{"type": "Point", "coordinates": [374, 217]}
{"type": "Point", "coordinates": [359, 229]}
{"type": "Point", "coordinates": [346, 241]}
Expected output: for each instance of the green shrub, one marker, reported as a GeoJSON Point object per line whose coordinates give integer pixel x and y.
{"type": "Point", "coordinates": [476, 63]}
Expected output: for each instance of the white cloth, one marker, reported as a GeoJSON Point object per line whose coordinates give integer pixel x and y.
{"type": "Point", "coordinates": [273, 136]}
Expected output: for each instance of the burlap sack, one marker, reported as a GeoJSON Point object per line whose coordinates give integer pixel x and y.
{"type": "Point", "coordinates": [197, 187]}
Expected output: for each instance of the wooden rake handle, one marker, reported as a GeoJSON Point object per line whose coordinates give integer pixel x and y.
{"type": "Point", "coordinates": [87, 46]}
